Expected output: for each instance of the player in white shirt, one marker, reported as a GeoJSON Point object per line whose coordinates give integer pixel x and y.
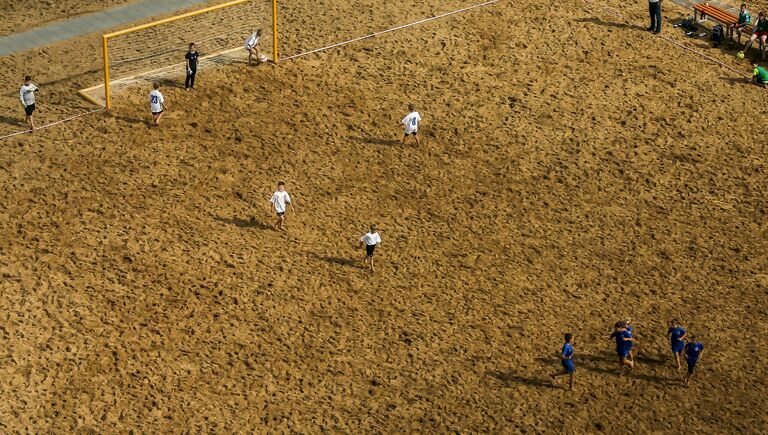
{"type": "Point", "coordinates": [411, 122]}
{"type": "Point", "coordinates": [27, 95]}
{"type": "Point", "coordinates": [252, 45]}
{"type": "Point", "coordinates": [156, 103]}
{"type": "Point", "coordinates": [370, 240]}
{"type": "Point", "coordinates": [280, 200]}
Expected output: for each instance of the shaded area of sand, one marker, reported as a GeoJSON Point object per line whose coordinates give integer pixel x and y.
{"type": "Point", "coordinates": [559, 187]}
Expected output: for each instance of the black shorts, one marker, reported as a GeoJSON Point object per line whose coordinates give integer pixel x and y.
{"type": "Point", "coordinates": [691, 365]}
{"type": "Point", "coordinates": [280, 213]}
{"type": "Point", "coordinates": [414, 133]}
{"type": "Point", "coordinates": [369, 250]}
{"type": "Point", "coordinates": [29, 109]}
{"type": "Point", "coordinates": [157, 113]}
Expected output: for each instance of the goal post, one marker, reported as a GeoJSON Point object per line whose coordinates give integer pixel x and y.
{"type": "Point", "coordinates": [155, 51]}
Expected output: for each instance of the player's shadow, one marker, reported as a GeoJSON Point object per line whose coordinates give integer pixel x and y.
{"type": "Point", "coordinates": [336, 260]}
{"type": "Point", "coordinates": [376, 141]}
{"type": "Point", "coordinates": [607, 363]}
{"type": "Point", "coordinates": [511, 378]}
{"type": "Point", "coordinates": [12, 121]}
{"type": "Point", "coordinates": [242, 223]}
{"type": "Point", "coordinates": [131, 120]}
{"type": "Point", "coordinates": [598, 21]}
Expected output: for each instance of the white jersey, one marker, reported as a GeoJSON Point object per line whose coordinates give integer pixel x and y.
{"type": "Point", "coordinates": [156, 101]}
{"type": "Point", "coordinates": [279, 199]}
{"type": "Point", "coordinates": [412, 122]}
{"type": "Point", "coordinates": [371, 239]}
{"type": "Point", "coordinates": [252, 41]}
{"type": "Point", "coordinates": [27, 94]}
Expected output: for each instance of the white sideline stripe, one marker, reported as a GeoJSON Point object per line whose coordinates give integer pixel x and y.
{"type": "Point", "coordinates": [391, 30]}
{"type": "Point", "coordinates": [225, 52]}
{"type": "Point", "coordinates": [51, 124]}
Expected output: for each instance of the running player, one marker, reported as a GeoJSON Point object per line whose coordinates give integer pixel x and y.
{"type": "Point", "coordinates": [27, 95]}
{"type": "Point", "coordinates": [632, 348]}
{"type": "Point", "coordinates": [252, 46]}
{"type": "Point", "coordinates": [191, 59]}
{"type": "Point", "coordinates": [676, 335]}
{"type": "Point", "coordinates": [566, 360]}
{"type": "Point", "coordinates": [370, 240]}
{"type": "Point", "coordinates": [156, 103]}
{"type": "Point", "coordinates": [279, 200]}
{"type": "Point", "coordinates": [411, 122]}
{"type": "Point", "coordinates": [623, 344]}
{"type": "Point", "coordinates": [694, 350]}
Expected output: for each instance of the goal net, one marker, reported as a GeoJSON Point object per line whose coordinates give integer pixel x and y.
{"type": "Point", "coordinates": [155, 51]}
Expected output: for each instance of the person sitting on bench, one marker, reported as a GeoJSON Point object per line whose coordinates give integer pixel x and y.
{"type": "Point", "coordinates": [744, 20]}
{"type": "Point", "coordinates": [761, 31]}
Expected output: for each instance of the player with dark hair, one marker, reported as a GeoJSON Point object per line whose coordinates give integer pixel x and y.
{"type": "Point", "coordinates": [676, 335]}
{"type": "Point", "coordinates": [694, 350]}
{"type": "Point", "coordinates": [27, 95]}
{"type": "Point", "coordinates": [566, 360]}
{"type": "Point", "coordinates": [191, 60]}
{"type": "Point", "coordinates": [280, 199]}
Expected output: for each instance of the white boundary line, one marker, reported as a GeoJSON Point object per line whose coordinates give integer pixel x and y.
{"type": "Point", "coordinates": [52, 124]}
{"type": "Point", "coordinates": [443, 15]}
{"type": "Point", "coordinates": [390, 30]}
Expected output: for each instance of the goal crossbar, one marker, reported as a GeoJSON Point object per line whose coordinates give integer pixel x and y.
{"type": "Point", "coordinates": [106, 37]}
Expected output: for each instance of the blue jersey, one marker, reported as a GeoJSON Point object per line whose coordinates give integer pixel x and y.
{"type": "Point", "coordinates": [567, 351]}
{"type": "Point", "coordinates": [621, 339]}
{"type": "Point", "coordinates": [693, 350]}
{"type": "Point", "coordinates": [675, 334]}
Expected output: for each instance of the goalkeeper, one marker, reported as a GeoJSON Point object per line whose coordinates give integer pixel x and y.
{"type": "Point", "coordinates": [252, 45]}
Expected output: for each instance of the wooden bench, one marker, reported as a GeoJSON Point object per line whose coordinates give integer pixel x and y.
{"type": "Point", "coordinates": [703, 10]}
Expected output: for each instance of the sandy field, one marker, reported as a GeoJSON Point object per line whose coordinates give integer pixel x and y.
{"type": "Point", "coordinates": [571, 173]}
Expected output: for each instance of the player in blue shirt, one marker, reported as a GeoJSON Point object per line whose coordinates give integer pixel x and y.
{"type": "Point", "coordinates": [676, 335]}
{"type": "Point", "coordinates": [566, 360]}
{"type": "Point", "coordinates": [694, 350]}
{"type": "Point", "coordinates": [632, 348]}
{"type": "Point", "coordinates": [624, 341]}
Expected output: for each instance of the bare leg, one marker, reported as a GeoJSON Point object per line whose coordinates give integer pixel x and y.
{"type": "Point", "coordinates": [570, 381]}
{"type": "Point", "coordinates": [417, 140]}
{"type": "Point", "coordinates": [677, 359]}
{"type": "Point", "coordinates": [405, 136]}
{"type": "Point", "coordinates": [762, 46]}
{"type": "Point", "coordinates": [372, 269]}
{"type": "Point", "coordinates": [749, 43]}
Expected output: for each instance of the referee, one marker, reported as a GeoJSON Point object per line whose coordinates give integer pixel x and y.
{"type": "Point", "coordinates": [191, 57]}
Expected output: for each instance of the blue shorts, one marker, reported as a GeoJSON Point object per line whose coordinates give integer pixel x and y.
{"type": "Point", "coordinates": [623, 352]}
{"type": "Point", "coordinates": [568, 365]}
{"type": "Point", "coordinates": [691, 365]}
{"type": "Point", "coordinates": [677, 348]}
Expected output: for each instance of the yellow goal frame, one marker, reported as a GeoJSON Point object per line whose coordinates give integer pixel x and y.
{"type": "Point", "coordinates": [105, 41]}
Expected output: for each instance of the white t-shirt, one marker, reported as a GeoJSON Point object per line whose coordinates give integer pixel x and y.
{"type": "Point", "coordinates": [371, 239]}
{"type": "Point", "coordinates": [27, 94]}
{"type": "Point", "coordinates": [279, 199]}
{"type": "Point", "coordinates": [412, 122]}
{"type": "Point", "coordinates": [252, 41]}
{"type": "Point", "coordinates": [156, 101]}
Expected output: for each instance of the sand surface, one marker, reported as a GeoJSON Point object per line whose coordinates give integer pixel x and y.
{"type": "Point", "coordinates": [570, 174]}
{"type": "Point", "coordinates": [19, 16]}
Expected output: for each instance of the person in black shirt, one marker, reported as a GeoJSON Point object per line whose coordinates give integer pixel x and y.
{"type": "Point", "coordinates": [191, 57]}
